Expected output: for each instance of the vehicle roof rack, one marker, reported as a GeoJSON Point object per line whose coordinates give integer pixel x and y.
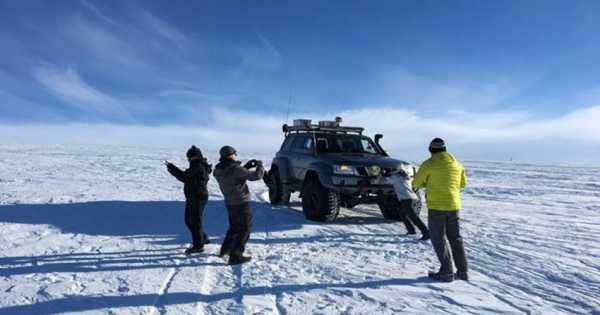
{"type": "Point", "coordinates": [306, 125]}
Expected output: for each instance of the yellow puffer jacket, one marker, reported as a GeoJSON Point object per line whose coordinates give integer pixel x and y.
{"type": "Point", "coordinates": [444, 177]}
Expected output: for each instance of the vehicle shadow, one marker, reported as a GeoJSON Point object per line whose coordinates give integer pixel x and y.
{"type": "Point", "coordinates": [346, 217]}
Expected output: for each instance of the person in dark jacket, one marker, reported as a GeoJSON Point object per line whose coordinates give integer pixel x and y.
{"type": "Point", "coordinates": [232, 177]}
{"type": "Point", "coordinates": [194, 179]}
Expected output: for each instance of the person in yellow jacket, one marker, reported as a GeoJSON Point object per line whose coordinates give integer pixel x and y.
{"type": "Point", "coordinates": [443, 177]}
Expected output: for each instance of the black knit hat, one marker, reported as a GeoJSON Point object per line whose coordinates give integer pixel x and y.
{"type": "Point", "coordinates": [193, 151]}
{"type": "Point", "coordinates": [437, 144]}
{"type": "Point", "coordinates": [227, 151]}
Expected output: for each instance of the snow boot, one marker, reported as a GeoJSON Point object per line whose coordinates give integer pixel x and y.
{"type": "Point", "coordinates": [236, 260]}
{"type": "Point", "coordinates": [461, 276]}
{"type": "Point", "coordinates": [193, 250]}
{"type": "Point", "coordinates": [224, 252]}
{"type": "Point", "coordinates": [441, 277]}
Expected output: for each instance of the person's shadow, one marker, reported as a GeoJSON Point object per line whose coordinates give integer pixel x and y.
{"type": "Point", "coordinates": [159, 222]}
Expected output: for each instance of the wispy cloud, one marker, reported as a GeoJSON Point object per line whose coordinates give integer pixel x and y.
{"type": "Point", "coordinates": [68, 85]}
{"type": "Point", "coordinates": [90, 6]}
{"type": "Point", "coordinates": [397, 85]}
{"type": "Point", "coordinates": [262, 57]}
{"type": "Point", "coordinates": [574, 137]}
{"type": "Point", "coordinates": [160, 27]}
{"type": "Point", "coordinates": [199, 97]}
{"type": "Point", "coordinates": [269, 46]}
{"type": "Point", "coordinates": [101, 43]}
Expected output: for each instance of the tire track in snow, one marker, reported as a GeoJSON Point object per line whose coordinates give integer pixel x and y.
{"type": "Point", "coordinates": [266, 302]}
{"type": "Point", "coordinates": [208, 284]}
{"type": "Point", "coordinates": [278, 308]}
{"type": "Point", "coordinates": [156, 305]}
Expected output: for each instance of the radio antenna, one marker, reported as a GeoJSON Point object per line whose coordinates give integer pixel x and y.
{"type": "Point", "coordinates": [287, 115]}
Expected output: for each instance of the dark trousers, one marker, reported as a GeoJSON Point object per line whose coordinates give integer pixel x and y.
{"type": "Point", "coordinates": [194, 207]}
{"type": "Point", "coordinates": [409, 216]}
{"type": "Point", "coordinates": [444, 224]}
{"type": "Point", "coordinates": [240, 222]}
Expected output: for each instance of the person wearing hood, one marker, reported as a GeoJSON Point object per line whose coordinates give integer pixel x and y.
{"type": "Point", "coordinates": [194, 180]}
{"type": "Point", "coordinates": [232, 177]}
{"type": "Point", "coordinates": [443, 176]}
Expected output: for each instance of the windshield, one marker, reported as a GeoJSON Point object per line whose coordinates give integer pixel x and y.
{"type": "Point", "coordinates": [340, 143]}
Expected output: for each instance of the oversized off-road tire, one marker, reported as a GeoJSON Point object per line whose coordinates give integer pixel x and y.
{"type": "Point", "coordinates": [279, 194]}
{"type": "Point", "coordinates": [319, 203]}
{"type": "Point", "coordinates": [390, 209]}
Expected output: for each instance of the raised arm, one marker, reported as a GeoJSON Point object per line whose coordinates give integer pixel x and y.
{"type": "Point", "coordinates": [187, 175]}
{"type": "Point", "coordinates": [245, 174]}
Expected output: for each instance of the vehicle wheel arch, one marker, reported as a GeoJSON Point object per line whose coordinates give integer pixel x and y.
{"type": "Point", "coordinates": [311, 175]}
{"type": "Point", "coordinates": [281, 164]}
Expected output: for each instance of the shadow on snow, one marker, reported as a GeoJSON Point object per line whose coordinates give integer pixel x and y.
{"type": "Point", "coordinates": [160, 222]}
{"type": "Point", "coordinates": [85, 303]}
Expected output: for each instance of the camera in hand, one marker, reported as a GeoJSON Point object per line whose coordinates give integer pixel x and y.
{"type": "Point", "coordinates": [250, 164]}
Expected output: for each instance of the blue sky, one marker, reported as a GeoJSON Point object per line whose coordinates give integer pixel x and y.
{"type": "Point", "coordinates": [485, 66]}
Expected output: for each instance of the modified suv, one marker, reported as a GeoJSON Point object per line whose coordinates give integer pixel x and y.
{"type": "Point", "coordinates": [332, 166]}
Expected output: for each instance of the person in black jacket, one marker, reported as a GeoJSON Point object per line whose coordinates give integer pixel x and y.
{"type": "Point", "coordinates": [194, 179]}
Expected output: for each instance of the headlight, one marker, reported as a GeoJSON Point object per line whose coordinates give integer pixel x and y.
{"type": "Point", "coordinates": [345, 170]}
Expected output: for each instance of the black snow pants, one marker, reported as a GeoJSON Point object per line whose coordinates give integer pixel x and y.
{"type": "Point", "coordinates": [444, 224]}
{"type": "Point", "coordinates": [408, 215]}
{"type": "Point", "coordinates": [194, 208]}
{"type": "Point", "coordinates": [240, 223]}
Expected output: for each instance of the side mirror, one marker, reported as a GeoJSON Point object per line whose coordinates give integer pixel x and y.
{"type": "Point", "coordinates": [378, 137]}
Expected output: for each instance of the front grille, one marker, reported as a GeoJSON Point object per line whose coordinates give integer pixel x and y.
{"type": "Point", "coordinates": [387, 170]}
{"type": "Point", "coordinates": [362, 171]}
{"type": "Point", "coordinates": [366, 171]}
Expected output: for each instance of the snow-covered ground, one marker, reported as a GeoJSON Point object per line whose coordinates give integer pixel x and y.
{"type": "Point", "coordinates": [100, 230]}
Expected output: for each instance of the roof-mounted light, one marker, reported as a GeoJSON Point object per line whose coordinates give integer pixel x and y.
{"type": "Point", "coordinates": [328, 124]}
{"type": "Point", "coordinates": [302, 122]}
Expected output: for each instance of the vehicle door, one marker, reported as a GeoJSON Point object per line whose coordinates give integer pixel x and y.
{"type": "Point", "coordinates": [284, 157]}
{"type": "Point", "coordinates": [302, 148]}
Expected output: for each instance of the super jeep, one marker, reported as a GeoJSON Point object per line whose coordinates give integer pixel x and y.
{"type": "Point", "coordinates": [332, 166]}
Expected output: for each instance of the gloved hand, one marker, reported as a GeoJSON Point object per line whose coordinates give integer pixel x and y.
{"type": "Point", "coordinates": [170, 167]}
{"type": "Point", "coordinates": [250, 164]}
